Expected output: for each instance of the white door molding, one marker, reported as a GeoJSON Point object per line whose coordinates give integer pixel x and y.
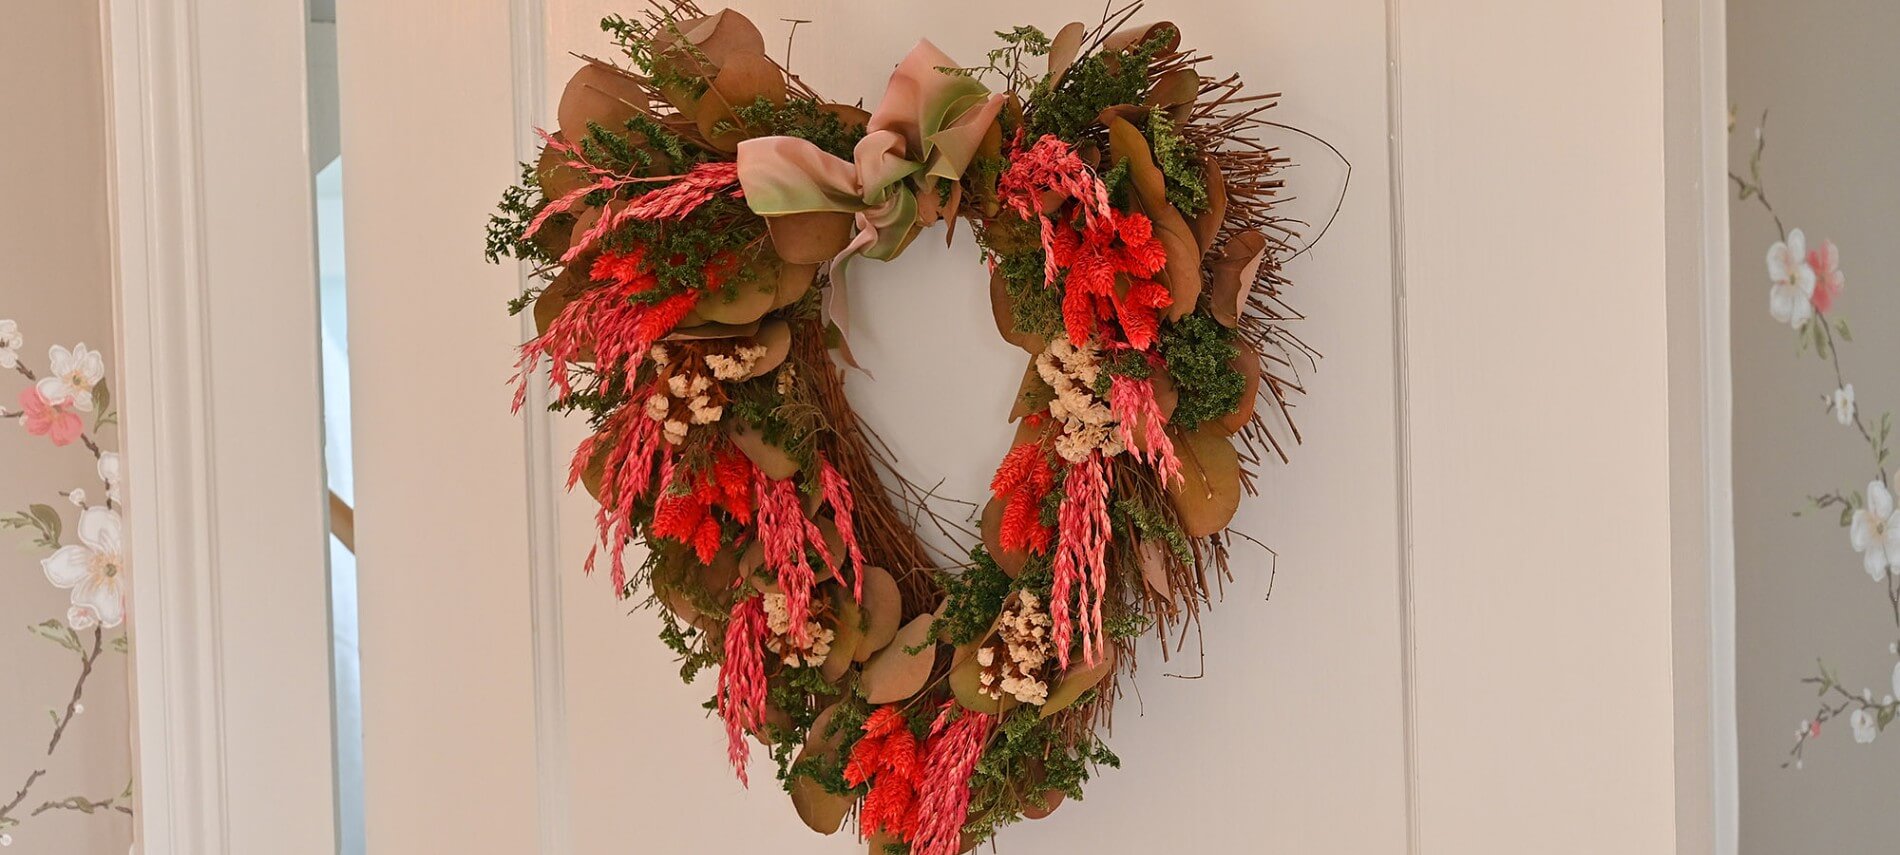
{"type": "Point", "coordinates": [217, 310]}
{"type": "Point", "coordinates": [1701, 472]}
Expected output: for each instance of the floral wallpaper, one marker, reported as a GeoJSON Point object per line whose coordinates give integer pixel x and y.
{"type": "Point", "coordinates": [69, 529]}
{"type": "Point", "coordinates": [65, 740]}
{"type": "Point", "coordinates": [1814, 201]}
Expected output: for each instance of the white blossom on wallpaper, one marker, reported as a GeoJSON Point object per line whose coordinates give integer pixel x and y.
{"type": "Point", "coordinates": [79, 535]}
{"type": "Point", "coordinates": [1804, 283]}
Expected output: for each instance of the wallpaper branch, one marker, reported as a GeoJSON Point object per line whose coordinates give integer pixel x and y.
{"type": "Point", "coordinates": [84, 558]}
{"type": "Point", "coordinates": [1805, 283]}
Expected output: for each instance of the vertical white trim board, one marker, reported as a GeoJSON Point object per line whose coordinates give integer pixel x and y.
{"type": "Point", "coordinates": [216, 303]}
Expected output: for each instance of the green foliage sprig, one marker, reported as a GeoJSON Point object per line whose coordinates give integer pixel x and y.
{"type": "Point", "coordinates": [1200, 355]}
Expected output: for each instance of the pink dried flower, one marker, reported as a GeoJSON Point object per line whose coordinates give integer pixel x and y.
{"type": "Point", "coordinates": [837, 494]}
{"type": "Point", "coordinates": [1081, 571]}
{"type": "Point", "coordinates": [950, 757]}
{"type": "Point", "coordinates": [787, 534]}
{"type": "Point", "coordinates": [1134, 403]}
{"type": "Point", "coordinates": [741, 695]}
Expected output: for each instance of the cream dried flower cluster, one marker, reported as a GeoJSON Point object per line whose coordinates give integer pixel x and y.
{"type": "Point", "coordinates": [1072, 370]}
{"type": "Point", "coordinates": [694, 389]}
{"type": "Point", "coordinates": [778, 623]}
{"type": "Point", "coordinates": [1012, 664]}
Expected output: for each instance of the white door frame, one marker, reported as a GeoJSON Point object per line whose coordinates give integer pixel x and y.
{"type": "Point", "coordinates": [1696, 131]}
{"type": "Point", "coordinates": [217, 311]}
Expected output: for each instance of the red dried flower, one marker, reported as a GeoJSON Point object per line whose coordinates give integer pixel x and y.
{"type": "Point", "coordinates": [1022, 482]}
{"type": "Point", "coordinates": [886, 757]}
{"type": "Point", "coordinates": [950, 757]}
{"type": "Point", "coordinates": [741, 696]}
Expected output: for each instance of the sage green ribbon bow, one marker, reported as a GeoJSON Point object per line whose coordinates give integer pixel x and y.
{"type": "Point", "coordinates": [928, 127]}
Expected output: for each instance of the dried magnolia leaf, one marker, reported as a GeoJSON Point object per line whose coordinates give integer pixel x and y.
{"type": "Point", "coordinates": [883, 611]}
{"type": "Point", "coordinates": [1208, 494]}
{"type": "Point", "coordinates": [822, 812]}
{"type": "Point", "coordinates": [744, 79]}
{"type": "Point", "coordinates": [714, 40]}
{"type": "Point", "coordinates": [1080, 679]}
{"type": "Point", "coordinates": [1180, 86]}
{"type": "Point", "coordinates": [896, 673]}
{"type": "Point", "coordinates": [711, 331]}
{"type": "Point", "coordinates": [810, 238]}
{"type": "Point", "coordinates": [771, 459]}
{"type": "Point", "coordinates": [847, 635]}
{"type": "Point", "coordinates": [1003, 307]}
{"type": "Point", "coordinates": [776, 337]}
{"type": "Point", "coordinates": [1063, 51]}
{"type": "Point", "coordinates": [966, 683]}
{"type": "Point", "coordinates": [596, 471]}
{"type": "Point", "coordinates": [1183, 273]}
{"type": "Point", "coordinates": [1051, 799]}
{"type": "Point", "coordinates": [1247, 362]}
{"type": "Point", "coordinates": [554, 176]}
{"type": "Point", "coordinates": [599, 94]}
{"type": "Point", "coordinates": [1207, 224]}
{"type": "Point", "coordinates": [750, 300]}
{"type": "Point", "coordinates": [562, 291]}
{"type": "Point", "coordinates": [677, 602]}
{"type": "Point", "coordinates": [1233, 274]}
{"type": "Point", "coordinates": [1151, 556]}
{"type": "Point", "coordinates": [1033, 396]}
{"type": "Point", "coordinates": [1010, 561]}
{"type": "Point", "coordinates": [1125, 39]}
{"type": "Point", "coordinates": [794, 281]}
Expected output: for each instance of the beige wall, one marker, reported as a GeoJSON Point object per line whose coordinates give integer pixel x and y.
{"type": "Point", "coordinates": [1824, 70]}
{"type": "Point", "coordinates": [55, 284]}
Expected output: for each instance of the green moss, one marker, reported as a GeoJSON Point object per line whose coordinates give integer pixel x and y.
{"type": "Point", "coordinates": [1026, 740]}
{"type": "Point", "coordinates": [1091, 86]}
{"type": "Point", "coordinates": [973, 598]}
{"type": "Point", "coordinates": [1187, 190]}
{"type": "Point", "coordinates": [1200, 353]}
{"type": "Point", "coordinates": [802, 118]}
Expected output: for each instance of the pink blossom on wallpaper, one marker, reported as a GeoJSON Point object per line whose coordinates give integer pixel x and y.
{"type": "Point", "coordinates": [54, 420]}
{"type": "Point", "coordinates": [1828, 278]}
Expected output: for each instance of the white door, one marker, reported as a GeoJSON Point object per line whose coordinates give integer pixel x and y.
{"type": "Point", "coordinates": [1467, 645]}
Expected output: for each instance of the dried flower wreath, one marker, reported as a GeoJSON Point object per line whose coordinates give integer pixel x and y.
{"type": "Point", "coordinates": [694, 219]}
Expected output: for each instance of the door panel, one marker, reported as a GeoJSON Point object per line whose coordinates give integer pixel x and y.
{"type": "Point", "coordinates": [1292, 741]}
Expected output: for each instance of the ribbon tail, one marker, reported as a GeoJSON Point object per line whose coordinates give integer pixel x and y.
{"type": "Point", "coordinates": [836, 303]}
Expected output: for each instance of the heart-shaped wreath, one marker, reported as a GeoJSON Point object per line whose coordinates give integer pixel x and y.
{"type": "Point", "coordinates": [694, 218]}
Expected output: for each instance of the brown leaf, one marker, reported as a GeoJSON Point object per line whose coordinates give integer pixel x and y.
{"type": "Point", "coordinates": [966, 683]}
{"type": "Point", "coordinates": [1152, 557]}
{"type": "Point", "coordinates": [715, 38]}
{"type": "Point", "coordinates": [810, 238]}
{"type": "Point", "coordinates": [1063, 50]}
{"type": "Point", "coordinates": [895, 673]}
{"type": "Point", "coordinates": [1180, 86]}
{"type": "Point", "coordinates": [776, 337]}
{"type": "Point", "coordinates": [883, 611]}
{"type": "Point", "coordinates": [1033, 395]}
{"type": "Point", "coordinates": [599, 94]}
{"type": "Point", "coordinates": [771, 459]}
{"type": "Point", "coordinates": [794, 280]}
{"type": "Point", "coordinates": [1207, 224]}
{"type": "Point", "coordinates": [752, 296]}
{"type": "Point", "coordinates": [562, 291]}
{"type": "Point", "coordinates": [1003, 308]}
{"type": "Point", "coordinates": [1080, 679]}
{"type": "Point", "coordinates": [1247, 362]}
{"type": "Point", "coordinates": [1130, 37]}
{"type": "Point", "coordinates": [744, 79]}
{"type": "Point", "coordinates": [554, 176]}
{"type": "Point", "coordinates": [1208, 494]}
{"type": "Point", "coordinates": [847, 634]}
{"type": "Point", "coordinates": [1183, 274]}
{"type": "Point", "coordinates": [1233, 274]}
{"type": "Point", "coordinates": [822, 812]}
{"type": "Point", "coordinates": [711, 331]}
